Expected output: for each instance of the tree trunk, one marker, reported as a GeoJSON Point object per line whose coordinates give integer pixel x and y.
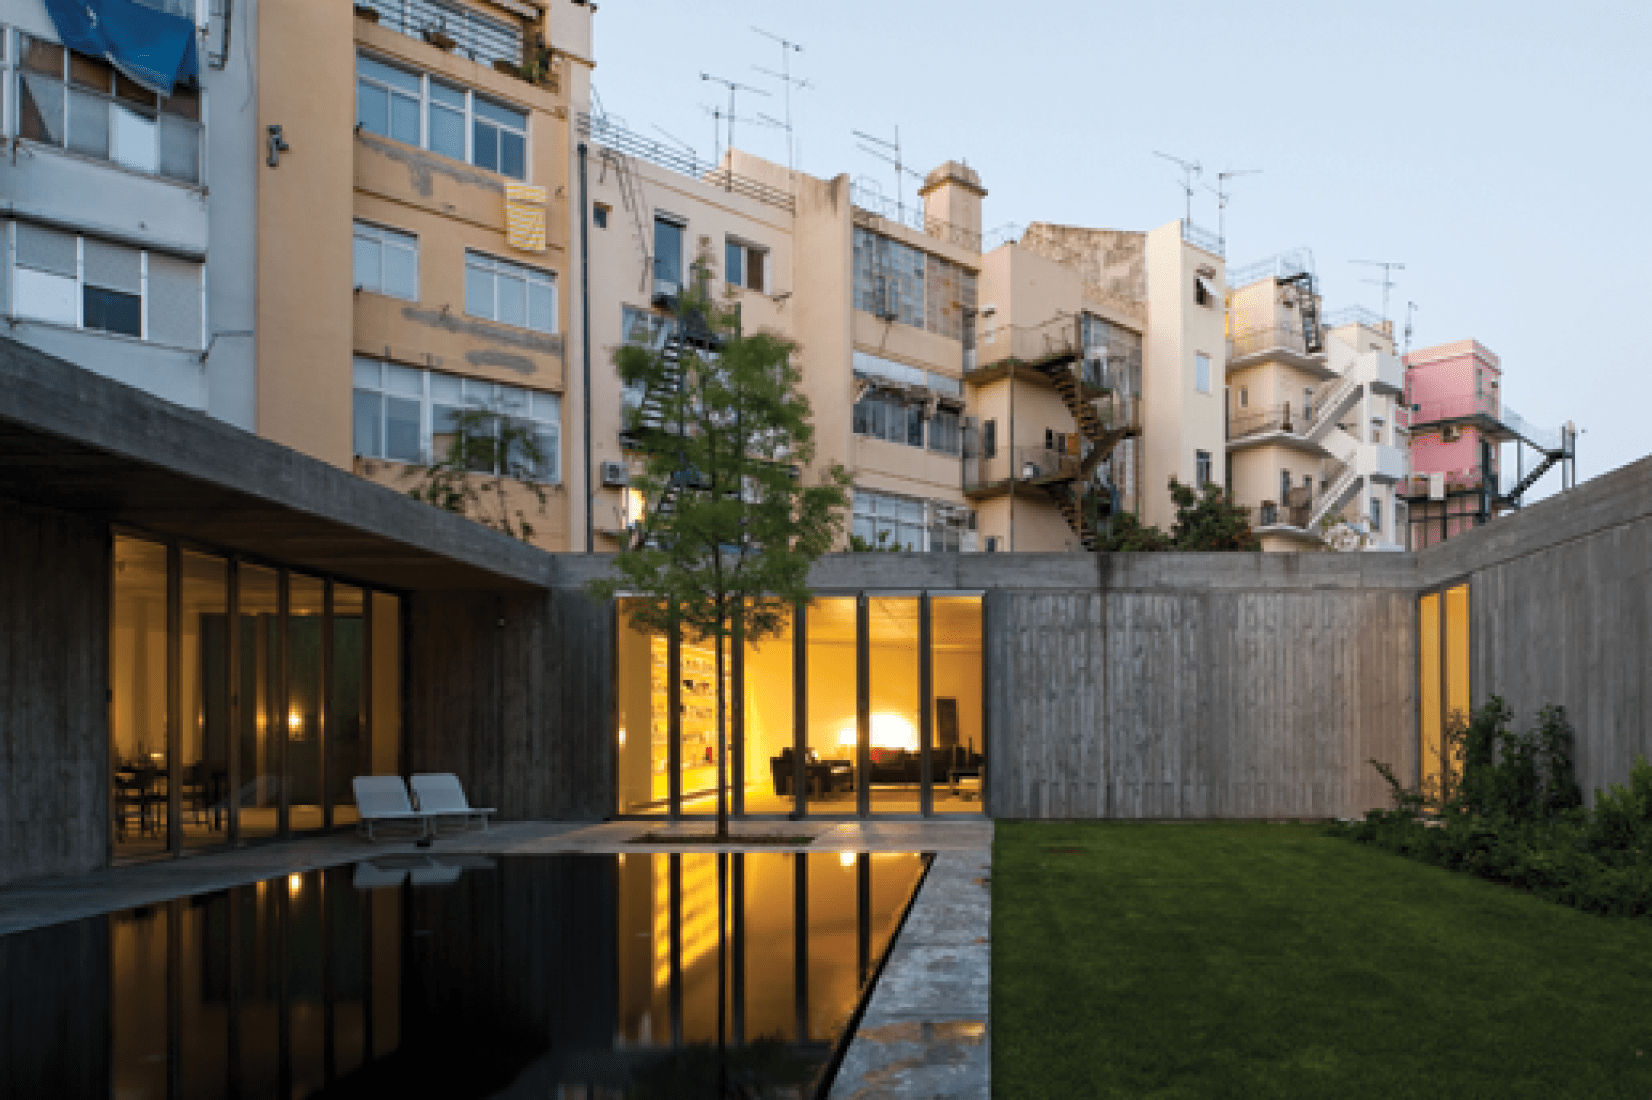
{"type": "Point", "coordinates": [722, 757]}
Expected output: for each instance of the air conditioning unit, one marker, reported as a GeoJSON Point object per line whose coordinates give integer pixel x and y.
{"type": "Point", "coordinates": [615, 475]}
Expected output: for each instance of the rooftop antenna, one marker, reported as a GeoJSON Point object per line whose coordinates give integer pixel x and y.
{"type": "Point", "coordinates": [1190, 170]}
{"type": "Point", "coordinates": [1410, 307]}
{"type": "Point", "coordinates": [1386, 282]}
{"type": "Point", "coordinates": [890, 153]}
{"type": "Point", "coordinates": [1222, 195]}
{"type": "Point", "coordinates": [718, 115]}
{"type": "Point", "coordinates": [787, 48]}
{"type": "Point", "coordinates": [733, 86]}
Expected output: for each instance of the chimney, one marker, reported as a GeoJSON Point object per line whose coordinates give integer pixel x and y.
{"type": "Point", "coordinates": [952, 193]}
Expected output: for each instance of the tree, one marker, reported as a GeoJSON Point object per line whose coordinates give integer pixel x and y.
{"type": "Point", "coordinates": [489, 456]}
{"type": "Point", "coordinates": [1207, 520]}
{"type": "Point", "coordinates": [732, 528]}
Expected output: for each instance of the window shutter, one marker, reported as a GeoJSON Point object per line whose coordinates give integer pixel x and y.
{"type": "Point", "coordinates": [114, 267]}
{"type": "Point", "coordinates": [46, 250]}
{"type": "Point", "coordinates": [174, 301]}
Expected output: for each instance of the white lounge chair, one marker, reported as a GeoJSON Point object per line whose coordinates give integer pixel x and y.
{"type": "Point", "coordinates": [440, 795]}
{"type": "Point", "coordinates": [382, 799]}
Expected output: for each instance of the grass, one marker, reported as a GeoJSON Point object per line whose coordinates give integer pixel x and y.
{"type": "Point", "coordinates": [1256, 960]}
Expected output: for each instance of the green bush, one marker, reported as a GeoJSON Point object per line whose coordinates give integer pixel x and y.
{"type": "Point", "coordinates": [1516, 816]}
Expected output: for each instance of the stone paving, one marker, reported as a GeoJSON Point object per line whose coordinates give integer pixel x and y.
{"type": "Point", "coordinates": [925, 1030]}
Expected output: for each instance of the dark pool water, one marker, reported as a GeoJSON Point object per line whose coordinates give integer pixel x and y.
{"type": "Point", "coordinates": [573, 977]}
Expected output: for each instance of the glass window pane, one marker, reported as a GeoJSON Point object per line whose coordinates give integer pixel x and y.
{"type": "Point", "coordinates": [446, 389]}
{"type": "Point", "coordinates": [88, 124]}
{"type": "Point", "coordinates": [401, 272]}
{"type": "Point", "coordinates": [396, 78]}
{"type": "Point", "coordinates": [404, 119]}
{"type": "Point", "coordinates": [668, 252]}
{"type": "Point", "coordinates": [134, 142]}
{"type": "Point", "coordinates": [733, 263]}
{"type": "Point", "coordinates": [346, 704]}
{"type": "Point", "coordinates": [366, 259]}
{"type": "Point", "coordinates": [367, 373]}
{"type": "Point", "coordinates": [180, 149]}
{"type": "Point", "coordinates": [513, 155]}
{"type": "Point", "coordinates": [401, 430]}
{"type": "Point", "coordinates": [513, 299]}
{"type": "Point", "coordinates": [451, 97]}
{"type": "Point", "coordinates": [485, 146]}
{"type": "Point", "coordinates": [137, 700]}
{"type": "Point", "coordinates": [112, 311]}
{"type": "Point", "coordinates": [447, 132]}
{"type": "Point", "coordinates": [258, 793]}
{"type": "Point", "coordinates": [641, 679]}
{"type": "Point", "coordinates": [769, 765]}
{"type": "Point", "coordinates": [372, 108]}
{"type": "Point", "coordinates": [40, 109]}
{"type": "Point", "coordinates": [1429, 700]}
{"type": "Point", "coordinates": [367, 411]}
{"type": "Point", "coordinates": [542, 306]}
{"type": "Point", "coordinates": [386, 688]}
{"type": "Point", "coordinates": [478, 292]}
{"type": "Point", "coordinates": [403, 380]}
{"type": "Point", "coordinates": [957, 753]}
{"type": "Point", "coordinates": [302, 722]}
{"type": "Point", "coordinates": [204, 731]}
{"type": "Point", "coordinates": [830, 737]}
{"type": "Point", "coordinates": [500, 114]}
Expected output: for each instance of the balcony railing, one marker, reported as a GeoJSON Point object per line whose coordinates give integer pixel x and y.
{"type": "Point", "coordinates": [1282, 265]}
{"type": "Point", "coordinates": [1455, 407]}
{"type": "Point", "coordinates": [912, 216]}
{"type": "Point", "coordinates": [1202, 238]}
{"type": "Point", "coordinates": [1273, 418]}
{"type": "Point", "coordinates": [1028, 343]}
{"type": "Point", "coordinates": [1358, 315]}
{"type": "Point", "coordinates": [1265, 338]}
{"type": "Point", "coordinates": [1022, 464]}
{"type": "Point", "coordinates": [1295, 511]}
{"type": "Point", "coordinates": [602, 132]}
{"type": "Point", "coordinates": [1456, 481]}
{"type": "Point", "coordinates": [472, 34]}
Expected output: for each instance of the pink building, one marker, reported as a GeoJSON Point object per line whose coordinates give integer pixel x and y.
{"type": "Point", "coordinates": [1454, 391]}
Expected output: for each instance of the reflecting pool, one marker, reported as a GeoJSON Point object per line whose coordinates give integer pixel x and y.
{"type": "Point", "coordinates": [574, 976]}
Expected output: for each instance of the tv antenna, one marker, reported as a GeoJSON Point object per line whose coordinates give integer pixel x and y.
{"type": "Point", "coordinates": [718, 115]}
{"type": "Point", "coordinates": [1222, 195]}
{"type": "Point", "coordinates": [890, 153]}
{"type": "Point", "coordinates": [1410, 308]}
{"type": "Point", "coordinates": [733, 87]}
{"type": "Point", "coordinates": [1190, 171]}
{"type": "Point", "coordinates": [787, 48]}
{"type": "Point", "coordinates": [1386, 282]}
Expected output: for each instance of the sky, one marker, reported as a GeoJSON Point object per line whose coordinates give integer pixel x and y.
{"type": "Point", "coordinates": [1501, 152]}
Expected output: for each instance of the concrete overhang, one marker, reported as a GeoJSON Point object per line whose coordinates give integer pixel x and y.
{"type": "Point", "coordinates": [1276, 436]}
{"type": "Point", "coordinates": [74, 441]}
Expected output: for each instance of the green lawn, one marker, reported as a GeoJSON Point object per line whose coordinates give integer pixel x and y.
{"type": "Point", "coordinates": [1274, 960]}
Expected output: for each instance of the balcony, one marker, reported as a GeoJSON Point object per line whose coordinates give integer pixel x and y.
{"type": "Point", "coordinates": [1029, 345]}
{"type": "Point", "coordinates": [1274, 418]}
{"type": "Point", "coordinates": [1027, 465]}
{"type": "Point", "coordinates": [1296, 511]}
{"type": "Point", "coordinates": [600, 131]}
{"type": "Point", "coordinates": [868, 201]}
{"type": "Point", "coordinates": [1416, 486]}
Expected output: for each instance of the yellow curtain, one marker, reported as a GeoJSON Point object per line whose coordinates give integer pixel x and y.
{"type": "Point", "coordinates": [525, 216]}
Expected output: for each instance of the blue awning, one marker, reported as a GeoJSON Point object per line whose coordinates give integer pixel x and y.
{"type": "Point", "coordinates": [152, 47]}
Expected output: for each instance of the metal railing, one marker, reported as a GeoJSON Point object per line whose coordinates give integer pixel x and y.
{"type": "Point", "coordinates": [1281, 265]}
{"type": "Point", "coordinates": [475, 36]}
{"type": "Point", "coordinates": [1028, 343]}
{"type": "Point", "coordinates": [602, 132]}
{"type": "Point", "coordinates": [1202, 238]}
{"type": "Point", "coordinates": [1022, 464]}
{"type": "Point", "coordinates": [1544, 439]}
{"type": "Point", "coordinates": [1265, 338]}
{"type": "Point", "coordinates": [1273, 514]}
{"type": "Point", "coordinates": [1273, 418]}
{"type": "Point", "coordinates": [1455, 407]}
{"type": "Point", "coordinates": [912, 216]}
{"type": "Point", "coordinates": [1357, 315]}
{"type": "Point", "coordinates": [1456, 481]}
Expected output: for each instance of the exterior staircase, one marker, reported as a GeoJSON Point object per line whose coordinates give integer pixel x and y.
{"type": "Point", "coordinates": [1104, 418]}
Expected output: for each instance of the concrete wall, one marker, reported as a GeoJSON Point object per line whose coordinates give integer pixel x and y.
{"type": "Point", "coordinates": [1561, 612]}
{"type": "Point", "coordinates": [513, 693]}
{"type": "Point", "coordinates": [1185, 686]}
{"type": "Point", "coordinates": [54, 646]}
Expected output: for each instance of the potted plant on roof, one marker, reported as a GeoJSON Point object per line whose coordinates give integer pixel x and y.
{"type": "Point", "coordinates": [367, 12]}
{"type": "Point", "coordinates": [437, 36]}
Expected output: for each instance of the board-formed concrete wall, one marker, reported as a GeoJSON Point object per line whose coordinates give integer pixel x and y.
{"type": "Point", "coordinates": [54, 721]}
{"type": "Point", "coordinates": [1190, 686]}
{"type": "Point", "coordinates": [1560, 604]}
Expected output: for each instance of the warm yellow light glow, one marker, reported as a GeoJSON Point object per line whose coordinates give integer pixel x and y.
{"type": "Point", "coordinates": [846, 859]}
{"type": "Point", "coordinates": [295, 884]}
{"type": "Point", "coordinates": [889, 731]}
{"type": "Point", "coordinates": [295, 725]}
{"type": "Point", "coordinates": [622, 737]}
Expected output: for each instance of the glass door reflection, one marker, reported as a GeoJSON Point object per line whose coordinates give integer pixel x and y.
{"type": "Point", "coordinates": [263, 715]}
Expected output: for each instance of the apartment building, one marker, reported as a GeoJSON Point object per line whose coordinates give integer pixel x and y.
{"type": "Point", "coordinates": [1093, 383]}
{"type": "Point", "coordinates": [879, 297]}
{"type": "Point", "coordinates": [1460, 423]}
{"type": "Point", "coordinates": [126, 197]}
{"type": "Point", "coordinates": [412, 229]}
{"type": "Point", "coordinates": [1316, 431]}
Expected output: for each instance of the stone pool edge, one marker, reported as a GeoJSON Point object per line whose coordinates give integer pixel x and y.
{"type": "Point", "coordinates": [926, 1031]}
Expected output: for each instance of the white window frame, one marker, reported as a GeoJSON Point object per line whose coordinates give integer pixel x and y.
{"type": "Point", "coordinates": [1201, 372]}
{"type": "Point", "coordinates": [746, 250]}
{"type": "Point", "coordinates": [1204, 470]}
{"type": "Point", "coordinates": [489, 396]}
{"type": "Point", "coordinates": [496, 267]}
{"type": "Point", "coordinates": [8, 257]}
{"type": "Point", "coordinates": [385, 238]}
{"type": "Point", "coordinates": [425, 101]}
{"type": "Point", "coordinates": [11, 76]}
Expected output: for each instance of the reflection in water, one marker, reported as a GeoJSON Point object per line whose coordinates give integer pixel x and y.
{"type": "Point", "coordinates": [457, 976]}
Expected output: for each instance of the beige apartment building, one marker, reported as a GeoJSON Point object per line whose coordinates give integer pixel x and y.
{"type": "Point", "coordinates": [1316, 431]}
{"type": "Point", "coordinates": [413, 252]}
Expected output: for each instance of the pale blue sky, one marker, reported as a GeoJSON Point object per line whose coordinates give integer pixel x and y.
{"type": "Point", "coordinates": [1502, 152]}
